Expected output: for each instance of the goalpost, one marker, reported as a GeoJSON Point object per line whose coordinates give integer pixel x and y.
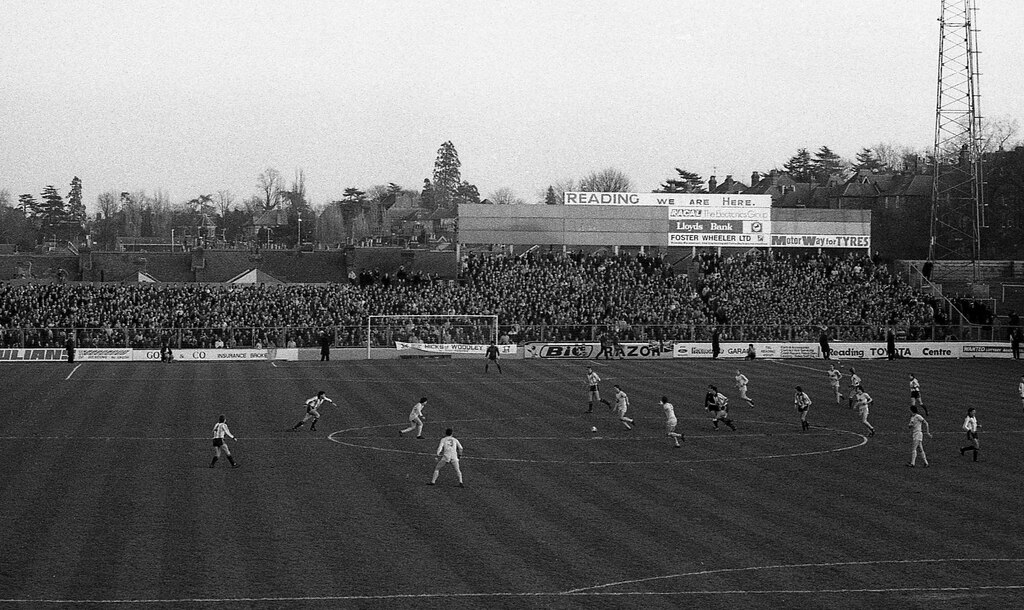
{"type": "Point", "coordinates": [387, 330]}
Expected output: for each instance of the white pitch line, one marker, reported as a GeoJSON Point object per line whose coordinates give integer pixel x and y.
{"type": "Point", "coordinates": [837, 564]}
{"type": "Point", "coordinates": [72, 372]}
{"type": "Point", "coordinates": [587, 592]}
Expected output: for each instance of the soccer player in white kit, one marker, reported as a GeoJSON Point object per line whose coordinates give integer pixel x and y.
{"type": "Point", "coordinates": [833, 378]}
{"type": "Point", "coordinates": [915, 393]}
{"type": "Point", "coordinates": [741, 384]}
{"type": "Point", "coordinates": [621, 406]}
{"type": "Point", "coordinates": [803, 404]}
{"type": "Point", "coordinates": [670, 421]}
{"type": "Point", "coordinates": [1020, 391]}
{"type": "Point", "coordinates": [416, 418]}
{"type": "Point", "coordinates": [855, 385]}
{"type": "Point", "coordinates": [313, 410]}
{"type": "Point", "coordinates": [971, 428]}
{"type": "Point", "coordinates": [864, 401]}
{"type": "Point", "coordinates": [220, 430]}
{"type": "Point", "coordinates": [449, 450]}
{"type": "Point", "coordinates": [917, 436]}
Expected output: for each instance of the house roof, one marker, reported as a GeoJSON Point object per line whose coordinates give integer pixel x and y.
{"type": "Point", "coordinates": [271, 218]}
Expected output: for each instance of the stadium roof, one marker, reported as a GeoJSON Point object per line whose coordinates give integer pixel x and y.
{"type": "Point", "coordinates": [254, 276]}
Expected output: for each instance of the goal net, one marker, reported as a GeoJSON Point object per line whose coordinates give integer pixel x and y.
{"type": "Point", "coordinates": [431, 334]}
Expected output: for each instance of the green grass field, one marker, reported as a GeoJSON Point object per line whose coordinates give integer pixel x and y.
{"type": "Point", "coordinates": [106, 498]}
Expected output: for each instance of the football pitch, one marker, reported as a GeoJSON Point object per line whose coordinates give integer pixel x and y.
{"type": "Point", "coordinates": [107, 498]}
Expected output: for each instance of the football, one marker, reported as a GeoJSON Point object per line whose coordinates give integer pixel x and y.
{"type": "Point", "coordinates": [593, 428]}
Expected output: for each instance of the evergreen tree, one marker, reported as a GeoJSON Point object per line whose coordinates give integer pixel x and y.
{"type": "Point", "coordinates": [427, 195]}
{"type": "Point", "coordinates": [447, 175]}
{"type": "Point", "coordinates": [866, 160]}
{"type": "Point", "coordinates": [29, 206]}
{"type": "Point", "coordinates": [684, 182]}
{"type": "Point", "coordinates": [550, 198]}
{"type": "Point", "coordinates": [826, 163]}
{"type": "Point", "coordinates": [76, 207]}
{"type": "Point", "coordinates": [800, 167]}
{"type": "Point", "coordinates": [52, 210]}
{"type": "Point", "coordinates": [467, 193]}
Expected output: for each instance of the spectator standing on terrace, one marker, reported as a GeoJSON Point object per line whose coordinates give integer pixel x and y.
{"type": "Point", "coordinates": [670, 421]}
{"type": "Point", "coordinates": [416, 418]}
{"type": "Point", "coordinates": [1015, 337]}
{"type": "Point", "coordinates": [619, 352]}
{"type": "Point", "coordinates": [741, 385]}
{"type": "Point", "coordinates": [751, 352]}
{"type": "Point", "coordinates": [826, 350]}
{"type": "Point", "coordinates": [833, 379]}
{"type": "Point", "coordinates": [594, 392]}
{"type": "Point", "coordinates": [917, 436]}
{"type": "Point", "coordinates": [220, 430]}
{"type": "Point", "coordinates": [863, 400]}
{"type": "Point", "coordinates": [69, 347]}
{"type": "Point", "coordinates": [915, 394]}
{"type": "Point", "coordinates": [313, 410]}
{"type": "Point", "coordinates": [621, 406]}
{"type": "Point", "coordinates": [716, 343]}
{"type": "Point", "coordinates": [971, 428]}
{"type": "Point", "coordinates": [803, 404]}
{"type": "Point", "coordinates": [890, 343]}
{"type": "Point", "coordinates": [325, 346]}
{"type": "Point", "coordinates": [449, 450]}
{"type": "Point", "coordinates": [606, 347]}
{"type": "Point", "coordinates": [492, 357]}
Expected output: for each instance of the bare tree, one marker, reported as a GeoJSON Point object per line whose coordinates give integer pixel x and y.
{"type": "Point", "coordinates": [269, 182]}
{"type": "Point", "coordinates": [999, 133]}
{"type": "Point", "coordinates": [108, 203]}
{"type": "Point", "coordinates": [608, 180]}
{"type": "Point", "coordinates": [225, 202]}
{"type": "Point", "coordinates": [253, 205]}
{"type": "Point", "coordinates": [505, 196]}
{"type": "Point", "coordinates": [160, 206]}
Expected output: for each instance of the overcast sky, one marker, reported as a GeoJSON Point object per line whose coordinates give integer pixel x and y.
{"type": "Point", "coordinates": [196, 97]}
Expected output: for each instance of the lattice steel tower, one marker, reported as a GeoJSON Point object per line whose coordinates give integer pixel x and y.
{"type": "Point", "coordinates": [958, 212]}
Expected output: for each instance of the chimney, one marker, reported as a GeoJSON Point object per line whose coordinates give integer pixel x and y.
{"type": "Point", "coordinates": [712, 184]}
{"type": "Point", "coordinates": [755, 178]}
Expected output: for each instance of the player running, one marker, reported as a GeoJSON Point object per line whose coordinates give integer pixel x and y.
{"type": "Point", "coordinates": [416, 418]}
{"type": "Point", "coordinates": [313, 410]}
{"type": "Point", "coordinates": [803, 404]}
{"type": "Point", "coordinates": [971, 426]}
{"type": "Point", "coordinates": [671, 421]}
{"type": "Point", "coordinates": [621, 405]}
{"type": "Point", "coordinates": [915, 394]}
{"type": "Point", "coordinates": [220, 430]}
{"type": "Point", "coordinates": [855, 385]}
{"type": "Point", "coordinates": [718, 404]}
{"type": "Point", "coordinates": [741, 385]}
{"type": "Point", "coordinates": [595, 394]}
{"type": "Point", "coordinates": [833, 379]}
{"type": "Point", "coordinates": [863, 403]}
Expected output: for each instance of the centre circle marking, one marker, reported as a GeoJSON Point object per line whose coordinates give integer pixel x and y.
{"type": "Point", "coordinates": [337, 437]}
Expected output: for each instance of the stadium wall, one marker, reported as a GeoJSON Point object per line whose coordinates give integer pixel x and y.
{"type": "Point", "coordinates": [597, 225]}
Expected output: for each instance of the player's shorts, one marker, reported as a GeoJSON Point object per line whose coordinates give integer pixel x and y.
{"type": "Point", "coordinates": [593, 389]}
{"type": "Point", "coordinates": [972, 436]}
{"type": "Point", "coordinates": [722, 414]}
{"type": "Point", "coordinates": [414, 419]}
{"type": "Point", "coordinates": [670, 425]}
{"type": "Point", "coordinates": [802, 409]}
{"type": "Point", "coordinates": [915, 394]}
{"type": "Point", "coordinates": [621, 411]}
{"type": "Point", "coordinates": [218, 442]}
{"type": "Point", "coordinates": [448, 460]}
{"type": "Point", "coordinates": [863, 413]}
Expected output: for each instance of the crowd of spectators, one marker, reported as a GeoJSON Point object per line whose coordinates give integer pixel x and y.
{"type": "Point", "coordinates": [542, 295]}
